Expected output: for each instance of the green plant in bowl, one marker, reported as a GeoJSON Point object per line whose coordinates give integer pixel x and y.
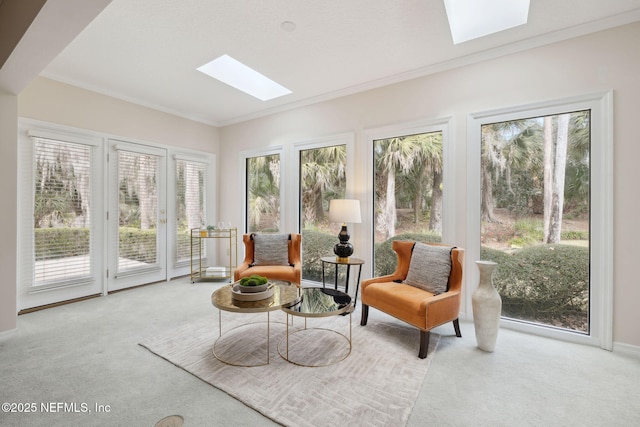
{"type": "Point", "coordinates": [254, 283]}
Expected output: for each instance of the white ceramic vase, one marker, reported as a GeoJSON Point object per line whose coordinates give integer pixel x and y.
{"type": "Point", "coordinates": [487, 307]}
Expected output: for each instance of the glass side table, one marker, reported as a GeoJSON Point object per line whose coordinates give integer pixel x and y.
{"type": "Point", "coordinates": [332, 260]}
{"type": "Point", "coordinates": [313, 347]}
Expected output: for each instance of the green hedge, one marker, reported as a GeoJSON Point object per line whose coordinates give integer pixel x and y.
{"type": "Point", "coordinates": [184, 244]}
{"type": "Point", "coordinates": [67, 242]}
{"type": "Point", "coordinates": [140, 244]}
{"type": "Point", "coordinates": [316, 245]}
{"type": "Point", "coordinates": [542, 282]}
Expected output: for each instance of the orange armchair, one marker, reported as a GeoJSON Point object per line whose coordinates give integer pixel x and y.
{"type": "Point", "coordinates": [291, 272]}
{"type": "Point", "coordinates": [414, 305]}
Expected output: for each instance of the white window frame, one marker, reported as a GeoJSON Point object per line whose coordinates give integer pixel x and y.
{"type": "Point", "coordinates": [294, 187]}
{"type": "Point", "coordinates": [601, 210]}
{"type": "Point", "coordinates": [249, 154]}
{"type": "Point", "coordinates": [442, 124]}
{"type": "Point", "coordinates": [29, 295]}
{"type": "Point", "coordinates": [175, 268]}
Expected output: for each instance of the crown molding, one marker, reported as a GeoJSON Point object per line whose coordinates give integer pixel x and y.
{"type": "Point", "coordinates": [492, 53]}
{"type": "Point", "coordinates": [485, 55]}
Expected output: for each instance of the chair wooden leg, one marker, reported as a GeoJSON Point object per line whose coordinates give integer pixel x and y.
{"type": "Point", "coordinates": [365, 314]}
{"type": "Point", "coordinates": [424, 344]}
{"type": "Point", "coordinates": [456, 326]}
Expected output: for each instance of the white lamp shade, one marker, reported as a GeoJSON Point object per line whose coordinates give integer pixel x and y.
{"type": "Point", "coordinates": [344, 210]}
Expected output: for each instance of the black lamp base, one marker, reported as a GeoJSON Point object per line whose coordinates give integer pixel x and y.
{"type": "Point", "coordinates": [344, 249]}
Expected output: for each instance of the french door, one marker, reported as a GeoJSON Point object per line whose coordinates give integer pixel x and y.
{"type": "Point", "coordinates": [93, 213]}
{"type": "Point", "coordinates": [137, 215]}
{"type": "Point", "coordinates": [60, 226]}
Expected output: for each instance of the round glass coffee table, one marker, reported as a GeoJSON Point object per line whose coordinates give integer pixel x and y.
{"type": "Point", "coordinates": [284, 295]}
{"type": "Point", "coordinates": [309, 346]}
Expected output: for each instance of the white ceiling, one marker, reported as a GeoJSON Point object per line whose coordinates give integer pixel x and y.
{"type": "Point", "coordinates": [147, 51]}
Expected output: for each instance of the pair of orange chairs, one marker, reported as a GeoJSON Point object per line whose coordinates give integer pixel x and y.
{"type": "Point", "coordinates": [390, 294]}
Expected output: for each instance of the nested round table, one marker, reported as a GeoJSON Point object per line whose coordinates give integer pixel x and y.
{"type": "Point", "coordinates": [284, 295]}
{"type": "Point", "coordinates": [317, 302]}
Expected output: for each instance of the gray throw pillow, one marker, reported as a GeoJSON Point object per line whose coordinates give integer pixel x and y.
{"type": "Point", "coordinates": [270, 249]}
{"type": "Point", "coordinates": [429, 268]}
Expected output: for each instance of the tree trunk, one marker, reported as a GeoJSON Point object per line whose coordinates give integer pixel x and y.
{"type": "Point", "coordinates": [435, 216]}
{"type": "Point", "coordinates": [555, 223]}
{"type": "Point", "coordinates": [548, 175]}
{"type": "Point", "coordinates": [487, 203]}
{"type": "Point", "coordinates": [417, 202]}
{"type": "Point", "coordinates": [317, 203]}
{"type": "Point", "coordinates": [390, 206]}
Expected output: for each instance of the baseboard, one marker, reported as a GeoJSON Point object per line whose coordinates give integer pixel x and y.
{"type": "Point", "coordinates": [7, 334]}
{"type": "Point", "coordinates": [56, 304]}
{"type": "Point", "coordinates": [626, 349]}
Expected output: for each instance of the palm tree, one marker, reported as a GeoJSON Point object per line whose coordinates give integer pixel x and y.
{"type": "Point", "coordinates": [396, 156]}
{"type": "Point", "coordinates": [423, 182]}
{"type": "Point", "coordinates": [430, 157]}
{"type": "Point", "coordinates": [557, 197]}
{"type": "Point", "coordinates": [263, 187]}
{"type": "Point", "coordinates": [506, 146]}
{"type": "Point", "coordinates": [545, 150]}
{"type": "Point", "coordinates": [492, 159]}
{"type": "Point", "coordinates": [569, 156]}
{"type": "Point", "coordinates": [323, 173]}
{"type": "Point", "coordinates": [577, 176]}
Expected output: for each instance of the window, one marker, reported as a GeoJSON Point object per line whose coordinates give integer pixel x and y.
{"type": "Point", "coordinates": [263, 193]}
{"type": "Point", "coordinates": [322, 177]}
{"type": "Point", "coordinates": [540, 199]}
{"type": "Point", "coordinates": [61, 211]}
{"type": "Point", "coordinates": [60, 216]}
{"type": "Point", "coordinates": [191, 178]}
{"type": "Point", "coordinates": [408, 193]}
{"type": "Point", "coordinates": [137, 210]}
{"type": "Point", "coordinates": [535, 217]}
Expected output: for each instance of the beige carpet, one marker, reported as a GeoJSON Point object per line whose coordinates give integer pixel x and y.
{"type": "Point", "coordinates": [376, 385]}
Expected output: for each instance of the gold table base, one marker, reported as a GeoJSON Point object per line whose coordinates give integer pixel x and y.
{"type": "Point", "coordinates": [221, 335]}
{"type": "Point", "coordinates": [285, 340]}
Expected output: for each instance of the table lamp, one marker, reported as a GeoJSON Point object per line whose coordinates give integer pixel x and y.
{"type": "Point", "coordinates": [344, 211]}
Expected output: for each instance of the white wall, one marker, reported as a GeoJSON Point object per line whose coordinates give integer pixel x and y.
{"type": "Point", "coordinates": [593, 63]}
{"type": "Point", "coordinates": [62, 104]}
{"type": "Point", "coordinates": [8, 215]}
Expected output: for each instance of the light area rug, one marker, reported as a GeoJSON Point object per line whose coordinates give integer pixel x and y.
{"type": "Point", "coordinates": [375, 385]}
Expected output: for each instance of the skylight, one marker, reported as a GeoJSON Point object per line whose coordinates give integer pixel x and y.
{"type": "Point", "coordinates": [236, 74]}
{"type": "Point", "coordinates": [471, 19]}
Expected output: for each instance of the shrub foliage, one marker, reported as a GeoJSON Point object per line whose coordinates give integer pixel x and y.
{"type": "Point", "coordinates": [62, 242]}
{"type": "Point", "coordinates": [316, 245]}
{"type": "Point", "coordinates": [546, 283]}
